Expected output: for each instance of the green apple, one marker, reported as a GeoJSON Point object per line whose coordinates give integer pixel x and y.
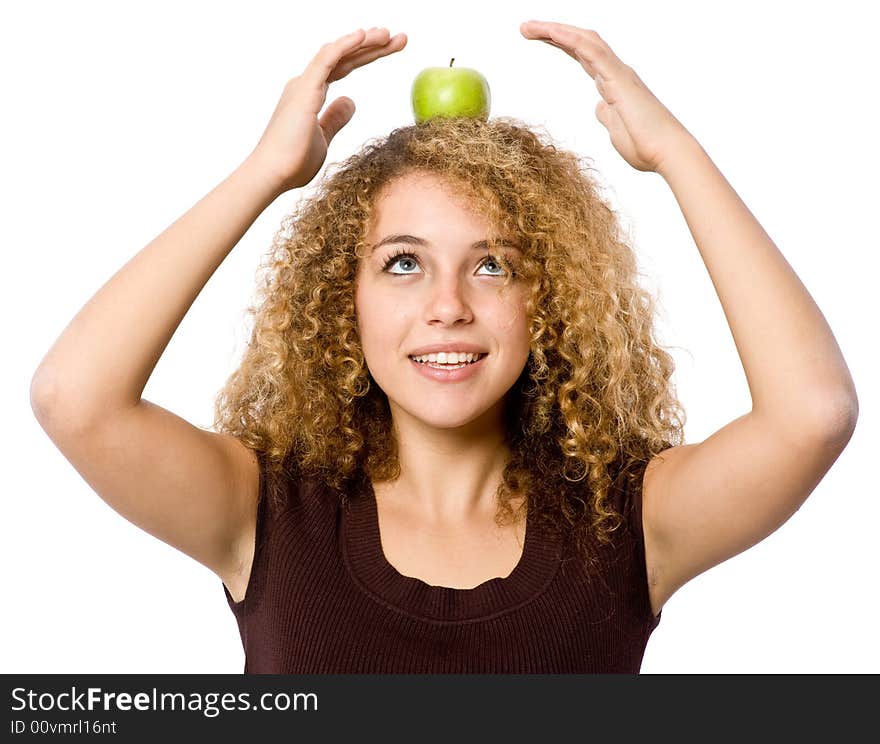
{"type": "Point", "coordinates": [450, 92]}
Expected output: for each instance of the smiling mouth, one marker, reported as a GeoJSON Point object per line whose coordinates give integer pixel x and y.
{"type": "Point", "coordinates": [444, 365]}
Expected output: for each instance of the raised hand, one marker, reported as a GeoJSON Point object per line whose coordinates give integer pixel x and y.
{"type": "Point", "coordinates": [294, 146]}
{"type": "Point", "coordinates": [642, 129]}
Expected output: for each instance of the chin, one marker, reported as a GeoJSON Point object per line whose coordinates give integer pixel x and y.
{"type": "Point", "coordinates": [447, 423]}
{"type": "Point", "coordinates": [436, 417]}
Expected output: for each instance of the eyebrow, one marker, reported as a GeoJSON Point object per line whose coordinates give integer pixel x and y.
{"type": "Point", "coordinates": [414, 240]}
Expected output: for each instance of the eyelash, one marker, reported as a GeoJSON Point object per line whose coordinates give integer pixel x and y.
{"type": "Point", "coordinates": [403, 253]}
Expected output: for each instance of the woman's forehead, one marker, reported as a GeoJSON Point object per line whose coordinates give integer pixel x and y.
{"type": "Point", "coordinates": [402, 209]}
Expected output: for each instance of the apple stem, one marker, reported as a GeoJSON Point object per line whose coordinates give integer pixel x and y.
{"type": "Point", "coordinates": [451, 61]}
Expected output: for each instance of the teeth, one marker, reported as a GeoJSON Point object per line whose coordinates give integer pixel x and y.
{"type": "Point", "coordinates": [448, 357]}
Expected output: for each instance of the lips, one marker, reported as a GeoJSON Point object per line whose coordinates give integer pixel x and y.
{"type": "Point", "coordinates": [453, 374]}
{"type": "Point", "coordinates": [413, 357]}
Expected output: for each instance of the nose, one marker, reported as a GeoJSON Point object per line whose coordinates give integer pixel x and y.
{"type": "Point", "coordinates": [448, 303]}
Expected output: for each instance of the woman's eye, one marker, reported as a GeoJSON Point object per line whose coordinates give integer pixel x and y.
{"type": "Point", "coordinates": [406, 259]}
{"type": "Point", "coordinates": [403, 258]}
{"type": "Point", "coordinates": [493, 262]}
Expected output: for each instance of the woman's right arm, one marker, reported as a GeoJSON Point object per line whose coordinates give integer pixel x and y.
{"type": "Point", "coordinates": [186, 486]}
{"type": "Point", "coordinates": [100, 364]}
{"type": "Point", "coordinates": [193, 489]}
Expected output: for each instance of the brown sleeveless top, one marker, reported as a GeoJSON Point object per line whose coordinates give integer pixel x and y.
{"type": "Point", "coordinates": [323, 599]}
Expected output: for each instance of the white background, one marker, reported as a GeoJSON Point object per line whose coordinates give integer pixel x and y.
{"type": "Point", "coordinates": [119, 117]}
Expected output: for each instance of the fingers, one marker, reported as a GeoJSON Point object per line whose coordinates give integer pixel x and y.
{"type": "Point", "coordinates": [584, 45]}
{"type": "Point", "coordinates": [322, 64]}
{"type": "Point", "coordinates": [352, 50]}
{"type": "Point", "coordinates": [367, 54]}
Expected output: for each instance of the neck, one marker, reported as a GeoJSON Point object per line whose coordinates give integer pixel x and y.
{"type": "Point", "coordinates": [448, 476]}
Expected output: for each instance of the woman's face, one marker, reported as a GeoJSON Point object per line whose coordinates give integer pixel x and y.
{"type": "Point", "coordinates": [444, 291]}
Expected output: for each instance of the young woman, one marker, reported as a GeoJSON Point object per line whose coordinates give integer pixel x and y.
{"type": "Point", "coordinates": [452, 444]}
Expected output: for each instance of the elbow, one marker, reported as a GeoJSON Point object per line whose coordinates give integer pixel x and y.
{"type": "Point", "coordinates": [40, 393]}
{"type": "Point", "coordinates": [836, 422]}
{"type": "Point", "coordinates": [46, 402]}
{"type": "Point", "coordinates": [60, 406]}
{"type": "Point", "coordinates": [825, 420]}
{"type": "Point", "coordinates": [847, 422]}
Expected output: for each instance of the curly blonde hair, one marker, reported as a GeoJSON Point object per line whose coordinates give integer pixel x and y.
{"type": "Point", "coordinates": [594, 401]}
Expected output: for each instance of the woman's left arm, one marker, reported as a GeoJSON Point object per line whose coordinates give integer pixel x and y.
{"type": "Point", "coordinates": [706, 502]}
{"type": "Point", "coordinates": [796, 373]}
{"type": "Point", "coordinates": [795, 370]}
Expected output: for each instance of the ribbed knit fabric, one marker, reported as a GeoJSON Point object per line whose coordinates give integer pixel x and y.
{"type": "Point", "coordinates": [323, 599]}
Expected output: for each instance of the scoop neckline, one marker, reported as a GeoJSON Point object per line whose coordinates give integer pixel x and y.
{"type": "Point", "coordinates": [367, 564]}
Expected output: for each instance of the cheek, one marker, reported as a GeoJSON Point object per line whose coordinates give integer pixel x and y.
{"type": "Point", "coordinates": [510, 319]}
{"type": "Point", "coordinates": [381, 327]}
